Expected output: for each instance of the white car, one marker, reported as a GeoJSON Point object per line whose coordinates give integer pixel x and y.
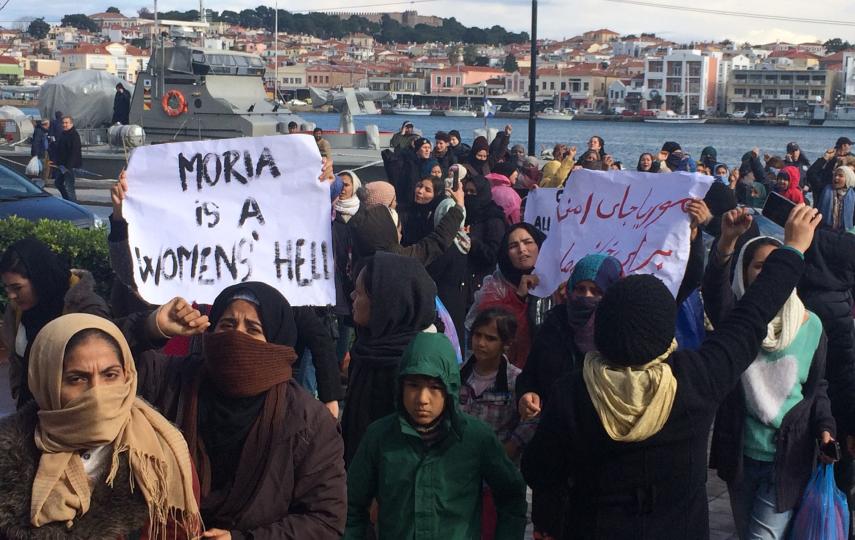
{"type": "Point", "coordinates": [739, 114]}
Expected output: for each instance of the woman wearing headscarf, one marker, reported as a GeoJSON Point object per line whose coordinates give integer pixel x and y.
{"type": "Point", "coordinates": [766, 431]}
{"type": "Point", "coordinates": [485, 155]}
{"type": "Point", "coordinates": [374, 227]}
{"type": "Point", "coordinates": [40, 288]}
{"type": "Point", "coordinates": [89, 459]}
{"type": "Point", "coordinates": [486, 222]}
{"type": "Point", "coordinates": [837, 201]}
{"type": "Point", "coordinates": [417, 220]}
{"type": "Point", "coordinates": [509, 286]}
{"type": "Point", "coordinates": [502, 180]}
{"type": "Point", "coordinates": [346, 206]}
{"type": "Point", "coordinates": [268, 454]}
{"type": "Point", "coordinates": [393, 302]}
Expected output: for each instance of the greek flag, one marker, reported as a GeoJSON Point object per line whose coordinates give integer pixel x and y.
{"type": "Point", "coordinates": [489, 108]}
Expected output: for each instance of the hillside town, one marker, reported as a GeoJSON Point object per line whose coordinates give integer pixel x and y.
{"type": "Point", "coordinates": [596, 72]}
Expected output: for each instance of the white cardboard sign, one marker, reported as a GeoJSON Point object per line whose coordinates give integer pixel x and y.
{"type": "Point", "coordinates": [204, 215]}
{"type": "Point", "coordinates": [639, 218]}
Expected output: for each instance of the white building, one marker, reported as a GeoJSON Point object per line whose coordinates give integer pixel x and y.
{"type": "Point", "coordinates": [686, 79]}
{"type": "Point", "coordinates": [849, 75]}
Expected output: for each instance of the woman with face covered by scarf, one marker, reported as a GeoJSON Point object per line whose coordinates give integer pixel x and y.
{"type": "Point", "coordinates": [508, 288]}
{"type": "Point", "coordinates": [40, 287]}
{"type": "Point", "coordinates": [268, 454]}
{"type": "Point", "coordinates": [485, 155]}
{"type": "Point", "coordinates": [486, 222]}
{"type": "Point", "coordinates": [88, 459]}
{"type": "Point", "coordinates": [392, 303]}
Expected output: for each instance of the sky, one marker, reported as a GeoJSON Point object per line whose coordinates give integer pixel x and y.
{"type": "Point", "coordinates": [557, 18]}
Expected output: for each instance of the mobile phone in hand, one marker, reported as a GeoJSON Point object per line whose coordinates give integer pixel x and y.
{"type": "Point", "coordinates": [778, 208]}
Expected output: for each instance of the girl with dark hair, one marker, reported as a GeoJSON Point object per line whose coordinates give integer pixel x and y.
{"type": "Point", "coordinates": [509, 287]}
{"type": "Point", "coordinates": [598, 145]}
{"type": "Point", "coordinates": [40, 288]}
{"type": "Point", "coordinates": [487, 387]}
{"type": "Point", "coordinates": [647, 163]}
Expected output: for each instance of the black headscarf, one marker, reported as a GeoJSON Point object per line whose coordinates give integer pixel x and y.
{"type": "Point", "coordinates": [49, 276]}
{"type": "Point", "coordinates": [226, 421]}
{"type": "Point", "coordinates": [481, 207]}
{"type": "Point", "coordinates": [479, 166]}
{"type": "Point", "coordinates": [418, 221]}
{"type": "Point", "coordinates": [509, 271]}
{"type": "Point", "coordinates": [277, 316]}
{"type": "Point", "coordinates": [403, 303]}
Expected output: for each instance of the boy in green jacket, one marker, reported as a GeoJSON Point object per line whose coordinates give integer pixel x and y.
{"type": "Point", "coordinates": [425, 465]}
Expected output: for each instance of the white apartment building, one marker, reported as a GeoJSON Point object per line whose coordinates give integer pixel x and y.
{"type": "Point", "coordinates": [686, 80]}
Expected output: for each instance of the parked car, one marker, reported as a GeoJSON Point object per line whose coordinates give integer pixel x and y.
{"type": "Point", "coordinates": [627, 112]}
{"type": "Point", "coordinates": [739, 114]}
{"type": "Point", "coordinates": [20, 197]}
{"type": "Point", "coordinates": [647, 113]}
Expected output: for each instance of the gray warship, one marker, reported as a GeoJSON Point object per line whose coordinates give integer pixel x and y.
{"type": "Point", "coordinates": [190, 93]}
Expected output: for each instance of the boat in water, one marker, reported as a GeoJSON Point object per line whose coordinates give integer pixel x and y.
{"type": "Point", "coordinates": [841, 117]}
{"type": "Point", "coordinates": [189, 93]}
{"type": "Point", "coordinates": [460, 113]}
{"type": "Point", "coordinates": [552, 114]}
{"type": "Point", "coordinates": [670, 117]}
{"type": "Point", "coordinates": [410, 110]}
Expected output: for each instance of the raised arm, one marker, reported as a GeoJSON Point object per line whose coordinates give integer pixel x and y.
{"type": "Point", "coordinates": [718, 364]}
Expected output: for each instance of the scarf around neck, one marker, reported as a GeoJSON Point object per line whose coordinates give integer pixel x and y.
{"type": "Point", "coordinates": [234, 417]}
{"type": "Point", "coordinates": [107, 414]}
{"type": "Point", "coordinates": [633, 402]}
{"type": "Point", "coordinates": [785, 325]}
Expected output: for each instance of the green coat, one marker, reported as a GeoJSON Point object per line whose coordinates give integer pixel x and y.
{"type": "Point", "coordinates": [433, 492]}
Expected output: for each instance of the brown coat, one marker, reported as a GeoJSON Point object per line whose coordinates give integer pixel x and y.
{"type": "Point", "coordinates": [80, 298]}
{"type": "Point", "coordinates": [303, 494]}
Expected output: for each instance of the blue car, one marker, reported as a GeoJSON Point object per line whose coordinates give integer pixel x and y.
{"type": "Point", "coordinates": [20, 197]}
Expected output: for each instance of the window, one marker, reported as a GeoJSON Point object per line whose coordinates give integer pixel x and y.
{"type": "Point", "coordinates": [654, 66]}
{"type": "Point", "coordinates": [457, 81]}
{"type": "Point", "coordinates": [543, 87]}
{"type": "Point", "coordinates": [438, 81]}
{"type": "Point", "coordinates": [585, 86]}
{"type": "Point", "coordinates": [563, 85]}
{"type": "Point", "coordinates": [769, 92]}
{"type": "Point", "coordinates": [817, 93]}
{"type": "Point", "coordinates": [739, 91]}
{"type": "Point", "coordinates": [552, 85]}
{"type": "Point", "coordinates": [448, 82]}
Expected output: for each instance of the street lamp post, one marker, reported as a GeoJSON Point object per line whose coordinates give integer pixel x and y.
{"type": "Point", "coordinates": [532, 81]}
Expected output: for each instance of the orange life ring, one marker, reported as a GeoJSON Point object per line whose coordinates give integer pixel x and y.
{"type": "Point", "coordinates": [173, 103]}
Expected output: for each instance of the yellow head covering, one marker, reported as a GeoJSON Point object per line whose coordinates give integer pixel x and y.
{"type": "Point", "coordinates": [106, 414]}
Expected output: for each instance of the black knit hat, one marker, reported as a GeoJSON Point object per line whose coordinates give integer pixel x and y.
{"type": "Point", "coordinates": [442, 136]}
{"type": "Point", "coordinates": [454, 133]}
{"type": "Point", "coordinates": [635, 321]}
{"type": "Point", "coordinates": [671, 146]}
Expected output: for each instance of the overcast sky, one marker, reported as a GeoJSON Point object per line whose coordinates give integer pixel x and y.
{"type": "Point", "coordinates": [557, 18]}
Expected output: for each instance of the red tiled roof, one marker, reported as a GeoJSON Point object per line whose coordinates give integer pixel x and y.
{"type": "Point", "coordinates": [7, 60]}
{"type": "Point", "coordinates": [32, 73]}
{"type": "Point", "coordinates": [106, 15]}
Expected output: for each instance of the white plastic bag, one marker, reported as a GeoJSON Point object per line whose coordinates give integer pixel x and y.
{"type": "Point", "coordinates": [34, 167]}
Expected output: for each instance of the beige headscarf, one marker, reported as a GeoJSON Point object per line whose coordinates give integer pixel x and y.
{"type": "Point", "coordinates": [107, 414]}
{"type": "Point", "coordinates": [633, 402]}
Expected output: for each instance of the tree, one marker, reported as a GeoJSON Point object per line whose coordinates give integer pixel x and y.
{"type": "Point", "coordinates": [81, 22]}
{"type": "Point", "coordinates": [455, 55]}
{"type": "Point", "coordinates": [656, 100]}
{"type": "Point", "coordinates": [482, 61]}
{"type": "Point", "coordinates": [145, 13]}
{"type": "Point", "coordinates": [510, 64]}
{"type": "Point", "coordinates": [113, 9]}
{"type": "Point", "coordinates": [835, 45]}
{"type": "Point", "coordinates": [678, 104]}
{"type": "Point", "coordinates": [38, 29]}
{"type": "Point", "coordinates": [470, 55]}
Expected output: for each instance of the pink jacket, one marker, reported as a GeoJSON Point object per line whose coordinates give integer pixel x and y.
{"type": "Point", "coordinates": [505, 196]}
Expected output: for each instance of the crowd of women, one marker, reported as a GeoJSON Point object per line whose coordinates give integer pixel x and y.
{"type": "Point", "coordinates": [439, 389]}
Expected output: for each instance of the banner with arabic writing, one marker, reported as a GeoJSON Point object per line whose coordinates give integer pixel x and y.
{"type": "Point", "coordinates": [639, 218]}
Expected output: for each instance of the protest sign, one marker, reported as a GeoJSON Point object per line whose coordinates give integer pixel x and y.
{"type": "Point", "coordinates": [204, 215]}
{"type": "Point", "coordinates": [639, 218]}
{"type": "Point", "coordinates": [540, 207]}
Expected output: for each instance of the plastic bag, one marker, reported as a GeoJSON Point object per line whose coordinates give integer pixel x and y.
{"type": "Point", "coordinates": [823, 513]}
{"type": "Point", "coordinates": [34, 167]}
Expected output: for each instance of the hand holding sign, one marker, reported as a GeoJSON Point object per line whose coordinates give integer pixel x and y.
{"type": "Point", "coordinates": [204, 215]}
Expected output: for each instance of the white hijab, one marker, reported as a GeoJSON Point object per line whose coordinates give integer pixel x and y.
{"type": "Point", "coordinates": [348, 207]}
{"type": "Point", "coordinates": [785, 325]}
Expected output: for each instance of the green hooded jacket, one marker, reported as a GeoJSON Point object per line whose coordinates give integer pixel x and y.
{"type": "Point", "coordinates": [431, 492]}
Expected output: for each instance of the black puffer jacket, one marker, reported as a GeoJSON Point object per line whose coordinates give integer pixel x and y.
{"type": "Point", "coordinates": [656, 488]}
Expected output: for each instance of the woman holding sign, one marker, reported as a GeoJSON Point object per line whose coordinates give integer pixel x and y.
{"type": "Point", "coordinates": [269, 455]}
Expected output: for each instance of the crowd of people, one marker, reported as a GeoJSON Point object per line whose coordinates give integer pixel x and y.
{"type": "Point", "coordinates": [439, 390]}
